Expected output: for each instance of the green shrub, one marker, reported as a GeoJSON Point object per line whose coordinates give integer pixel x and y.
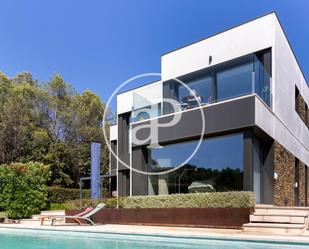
{"type": "Point", "coordinates": [198, 200]}
{"type": "Point", "coordinates": [84, 203]}
{"type": "Point", "coordinates": [23, 189]}
{"type": "Point", "coordinates": [57, 206]}
{"type": "Point", "coordinates": [61, 195]}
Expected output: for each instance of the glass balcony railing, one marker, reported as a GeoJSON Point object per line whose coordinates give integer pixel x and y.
{"type": "Point", "coordinates": [229, 80]}
{"type": "Point", "coordinates": [145, 107]}
{"type": "Point", "coordinates": [262, 81]}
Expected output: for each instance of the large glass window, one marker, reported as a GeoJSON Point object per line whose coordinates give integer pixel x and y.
{"type": "Point", "coordinates": [202, 89]}
{"type": "Point", "coordinates": [262, 73]}
{"type": "Point", "coordinates": [217, 166]}
{"type": "Point", "coordinates": [241, 76]}
{"type": "Point", "coordinates": [234, 81]}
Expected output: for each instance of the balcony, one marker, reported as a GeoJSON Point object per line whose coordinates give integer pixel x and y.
{"type": "Point", "coordinates": [233, 79]}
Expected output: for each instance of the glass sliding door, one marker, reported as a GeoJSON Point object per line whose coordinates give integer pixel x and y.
{"type": "Point", "coordinates": [202, 88]}
{"type": "Point", "coordinates": [217, 166]}
{"type": "Point", "coordinates": [235, 79]}
{"type": "Point", "coordinates": [238, 77]}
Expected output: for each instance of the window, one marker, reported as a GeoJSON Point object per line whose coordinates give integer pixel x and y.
{"type": "Point", "coordinates": [202, 89]}
{"type": "Point", "coordinates": [245, 75]}
{"type": "Point", "coordinates": [217, 166]}
{"type": "Point", "coordinates": [301, 107]}
{"type": "Point", "coordinates": [262, 75]}
{"type": "Point", "coordinates": [234, 81]}
{"type": "Point", "coordinates": [297, 100]}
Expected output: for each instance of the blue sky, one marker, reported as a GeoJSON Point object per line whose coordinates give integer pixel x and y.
{"type": "Point", "coordinates": [98, 44]}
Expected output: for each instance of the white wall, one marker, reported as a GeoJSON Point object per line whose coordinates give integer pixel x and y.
{"type": "Point", "coordinates": [113, 132]}
{"type": "Point", "coordinates": [152, 92]}
{"type": "Point", "coordinates": [283, 124]}
{"type": "Point", "coordinates": [247, 38]}
{"type": "Point", "coordinates": [272, 125]}
{"type": "Point", "coordinates": [287, 74]}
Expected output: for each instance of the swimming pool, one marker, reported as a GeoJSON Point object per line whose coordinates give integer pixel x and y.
{"type": "Point", "coordinates": [28, 239]}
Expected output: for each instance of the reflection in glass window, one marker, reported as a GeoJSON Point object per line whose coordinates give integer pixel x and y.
{"type": "Point", "coordinates": [241, 76]}
{"type": "Point", "coordinates": [262, 76]}
{"type": "Point", "coordinates": [217, 166]}
{"type": "Point", "coordinates": [234, 81]}
{"type": "Point", "coordinates": [145, 113]}
{"type": "Point", "coordinates": [202, 90]}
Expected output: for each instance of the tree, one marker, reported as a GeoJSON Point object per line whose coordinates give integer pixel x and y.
{"type": "Point", "coordinates": [50, 123]}
{"type": "Point", "coordinates": [16, 121]}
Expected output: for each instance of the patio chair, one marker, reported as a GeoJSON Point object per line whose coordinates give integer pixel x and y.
{"type": "Point", "coordinates": [83, 216]}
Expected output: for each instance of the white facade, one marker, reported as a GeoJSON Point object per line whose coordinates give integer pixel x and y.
{"type": "Point", "coordinates": [242, 40]}
{"type": "Point", "coordinates": [113, 132]}
{"type": "Point", "coordinates": [287, 74]}
{"type": "Point", "coordinates": [281, 121]}
{"type": "Point", "coordinates": [152, 92]}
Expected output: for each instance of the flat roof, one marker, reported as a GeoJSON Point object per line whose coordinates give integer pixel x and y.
{"type": "Point", "coordinates": [233, 27]}
{"type": "Point", "coordinates": [238, 25]}
{"type": "Point", "coordinates": [137, 87]}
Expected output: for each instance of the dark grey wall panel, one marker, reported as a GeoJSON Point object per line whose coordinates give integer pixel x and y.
{"type": "Point", "coordinates": [123, 140]}
{"type": "Point", "coordinates": [139, 157]}
{"type": "Point", "coordinates": [228, 116]}
{"type": "Point", "coordinates": [248, 160]}
{"type": "Point", "coordinates": [113, 162]}
{"type": "Point", "coordinates": [168, 92]}
{"type": "Point", "coordinates": [268, 173]}
{"type": "Point", "coordinates": [123, 154]}
{"type": "Point", "coordinates": [124, 183]}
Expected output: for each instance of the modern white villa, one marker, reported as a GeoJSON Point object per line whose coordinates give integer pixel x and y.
{"type": "Point", "coordinates": [254, 98]}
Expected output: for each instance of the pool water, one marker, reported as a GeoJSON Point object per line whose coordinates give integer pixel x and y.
{"type": "Point", "coordinates": [57, 240]}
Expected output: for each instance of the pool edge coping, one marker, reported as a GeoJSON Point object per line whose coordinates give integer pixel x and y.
{"type": "Point", "coordinates": [258, 238]}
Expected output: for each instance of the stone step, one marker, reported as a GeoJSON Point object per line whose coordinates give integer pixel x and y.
{"type": "Point", "coordinates": [259, 206]}
{"type": "Point", "coordinates": [283, 211]}
{"type": "Point", "coordinates": [277, 218]}
{"type": "Point", "coordinates": [271, 228]}
{"type": "Point", "coordinates": [36, 217]}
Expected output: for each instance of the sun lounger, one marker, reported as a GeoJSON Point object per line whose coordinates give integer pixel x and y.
{"type": "Point", "coordinates": [83, 216]}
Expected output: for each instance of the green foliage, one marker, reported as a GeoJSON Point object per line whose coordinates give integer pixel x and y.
{"type": "Point", "coordinates": [23, 189]}
{"type": "Point", "coordinates": [50, 123]}
{"type": "Point", "coordinates": [85, 203]}
{"type": "Point", "coordinates": [61, 195]}
{"type": "Point", "coordinates": [198, 200]}
{"type": "Point", "coordinates": [58, 194]}
{"type": "Point", "coordinates": [57, 206]}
